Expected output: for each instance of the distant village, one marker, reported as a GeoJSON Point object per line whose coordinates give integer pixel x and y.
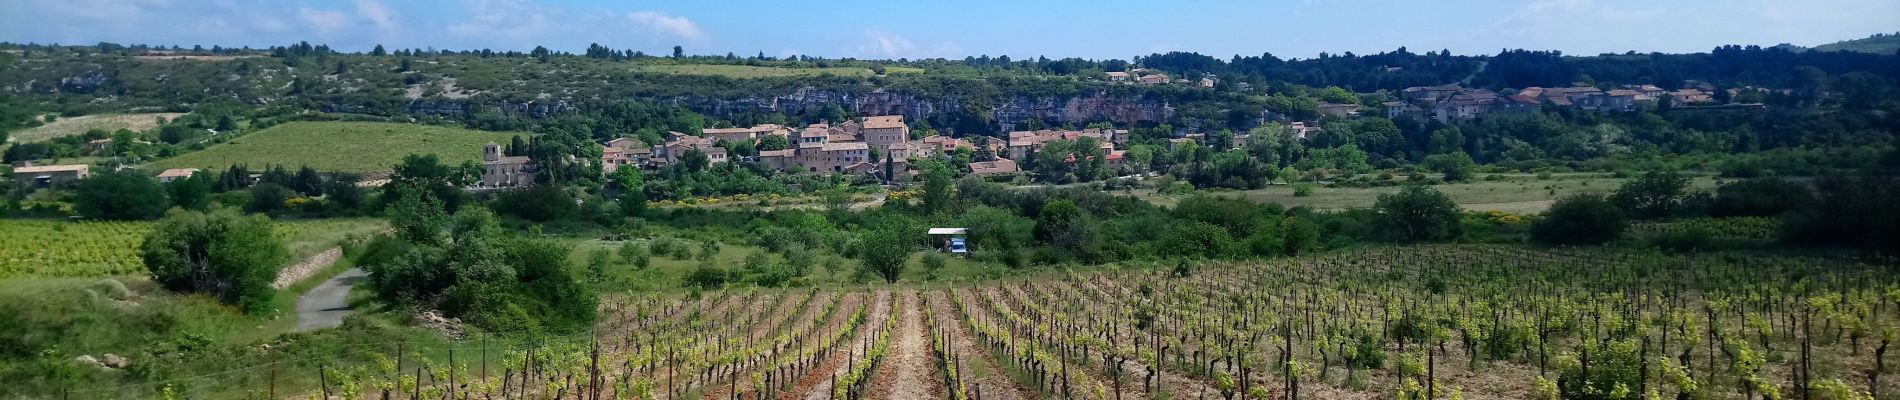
{"type": "Point", "coordinates": [864, 145]}
{"type": "Point", "coordinates": [861, 146]}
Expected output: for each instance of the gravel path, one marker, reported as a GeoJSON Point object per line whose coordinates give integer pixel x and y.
{"type": "Point", "coordinates": [327, 304]}
{"type": "Point", "coordinates": [910, 372]}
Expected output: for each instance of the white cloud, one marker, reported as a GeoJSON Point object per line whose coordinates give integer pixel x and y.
{"type": "Point", "coordinates": [880, 44]}
{"type": "Point", "coordinates": [374, 11]}
{"type": "Point", "coordinates": [667, 24]}
{"type": "Point", "coordinates": [323, 20]}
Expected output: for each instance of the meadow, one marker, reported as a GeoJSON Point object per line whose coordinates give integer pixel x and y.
{"type": "Point", "coordinates": [68, 126]}
{"type": "Point", "coordinates": [340, 146]}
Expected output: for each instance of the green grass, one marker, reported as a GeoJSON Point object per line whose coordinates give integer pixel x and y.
{"type": "Point", "coordinates": [67, 126]}
{"type": "Point", "coordinates": [340, 146]}
{"type": "Point", "coordinates": [748, 71]}
{"type": "Point", "coordinates": [190, 343]}
{"type": "Point", "coordinates": [1519, 194]}
{"type": "Point", "coordinates": [59, 248]}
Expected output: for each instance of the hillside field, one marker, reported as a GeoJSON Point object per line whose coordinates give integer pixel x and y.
{"type": "Point", "coordinates": [340, 146]}
{"type": "Point", "coordinates": [54, 248]}
{"type": "Point", "coordinates": [68, 126]}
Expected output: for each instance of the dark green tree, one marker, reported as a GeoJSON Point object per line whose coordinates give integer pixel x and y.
{"type": "Point", "coordinates": [1580, 219]}
{"type": "Point", "coordinates": [1418, 213]}
{"type": "Point", "coordinates": [120, 195]}
{"type": "Point", "coordinates": [1657, 194]}
{"type": "Point", "coordinates": [191, 193]}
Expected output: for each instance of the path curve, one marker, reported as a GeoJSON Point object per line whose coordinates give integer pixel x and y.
{"type": "Point", "coordinates": [327, 304]}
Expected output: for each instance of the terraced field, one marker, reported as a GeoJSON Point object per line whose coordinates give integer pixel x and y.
{"type": "Point", "coordinates": [341, 146]}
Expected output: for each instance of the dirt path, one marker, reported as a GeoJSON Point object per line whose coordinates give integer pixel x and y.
{"type": "Point", "coordinates": [910, 372]}
{"type": "Point", "coordinates": [980, 367]}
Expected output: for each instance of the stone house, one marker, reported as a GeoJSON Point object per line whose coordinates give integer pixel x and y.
{"type": "Point", "coordinates": [502, 171]}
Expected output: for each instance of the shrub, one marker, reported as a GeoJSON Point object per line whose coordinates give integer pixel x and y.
{"type": "Point", "coordinates": [1302, 189]}
{"type": "Point", "coordinates": [1580, 219]}
{"type": "Point", "coordinates": [933, 263]}
{"type": "Point", "coordinates": [706, 277]}
{"type": "Point", "coordinates": [229, 256]}
{"type": "Point", "coordinates": [636, 254]}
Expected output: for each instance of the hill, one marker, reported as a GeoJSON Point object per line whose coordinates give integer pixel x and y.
{"type": "Point", "coordinates": [1879, 43]}
{"type": "Point", "coordinates": [341, 146]}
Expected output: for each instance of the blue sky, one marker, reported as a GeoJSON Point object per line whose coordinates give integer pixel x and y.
{"type": "Point", "coordinates": [915, 29]}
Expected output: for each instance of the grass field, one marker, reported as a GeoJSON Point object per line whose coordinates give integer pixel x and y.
{"type": "Point", "coordinates": [54, 248]}
{"type": "Point", "coordinates": [1516, 194]}
{"type": "Point", "coordinates": [341, 146]}
{"type": "Point", "coordinates": [747, 71]}
{"type": "Point", "coordinates": [67, 126]}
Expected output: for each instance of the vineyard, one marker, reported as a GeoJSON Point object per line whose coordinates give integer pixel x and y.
{"type": "Point", "coordinates": [53, 248]}
{"type": "Point", "coordinates": [1450, 321]}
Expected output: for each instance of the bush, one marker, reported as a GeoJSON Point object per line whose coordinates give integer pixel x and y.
{"type": "Point", "coordinates": [934, 263]}
{"type": "Point", "coordinates": [706, 277]}
{"type": "Point", "coordinates": [120, 195]}
{"type": "Point", "coordinates": [1580, 219]}
{"type": "Point", "coordinates": [229, 256]}
{"type": "Point", "coordinates": [1302, 189]}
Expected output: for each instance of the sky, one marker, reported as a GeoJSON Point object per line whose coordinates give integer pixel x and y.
{"type": "Point", "coordinates": [887, 29]}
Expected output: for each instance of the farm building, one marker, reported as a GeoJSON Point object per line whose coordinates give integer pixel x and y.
{"type": "Point", "coordinates": [49, 175]}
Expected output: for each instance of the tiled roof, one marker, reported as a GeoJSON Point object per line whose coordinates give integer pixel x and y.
{"type": "Point", "coordinates": [882, 122]}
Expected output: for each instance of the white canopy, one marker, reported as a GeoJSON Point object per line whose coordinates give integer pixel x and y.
{"type": "Point", "coordinates": [949, 231]}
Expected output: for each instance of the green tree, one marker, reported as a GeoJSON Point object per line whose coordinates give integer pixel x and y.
{"type": "Point", "coordinates": [192, 193]}
{"type": "Point", "coordinates": [1418, 213]}
{"type": "Point", "coordinates": [695, 160]}
{"type": "Point", "coordinates": [1656, 194]}
{"type": "Point", "coordinates": [1580, 219]}
{"type": "Point", "coordinates": [229, 256]}
{"type": "Point", "coordinates": [633, 195]}
{"type": "Point", "coordinates": [416, 216]}
{"type": "Point", "coordinates": [341, 190]}
{"type": "Point", "coordinates": [1061, 224]}
{"type": "Point", "coordinates": [884, 252]}
{"type": "Point", "coordinates": [120, 195]}
{"type": "Point", "coordinates": [1457, 166]}
{"type": "Point", "coordinates": [270, 199]}
{"type": "Point", "coordinates": [937, 186]}
{"type": "Point", "coordinates": [774, 142]}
